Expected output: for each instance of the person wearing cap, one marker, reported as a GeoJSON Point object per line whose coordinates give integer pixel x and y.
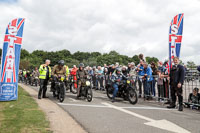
{"type": "Point", "coordinates": [116, 78]}
{"type": "Point", "coordinates": [45, 74]}
{"type": "Point", "coordinates": [81, 75]}
{"type": "Point", "coordinates": [58, 71]}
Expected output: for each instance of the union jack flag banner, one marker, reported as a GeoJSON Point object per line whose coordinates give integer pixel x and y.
{"type": "Point", "coordinates": [175, 37]}
{"type": "Point", "coordinates": [10, 60]}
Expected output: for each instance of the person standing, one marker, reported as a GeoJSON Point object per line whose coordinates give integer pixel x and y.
{"type": "Point", "coordinates": [177, 75]}
{"type": "Point", "coordinates": [154, 73]}
{"type": "Point", "coordinates": [147, 77]}
{"type": "Point", "coordinates": [45, 74]}
{"type": "Point", "coordinates": [139, 70]}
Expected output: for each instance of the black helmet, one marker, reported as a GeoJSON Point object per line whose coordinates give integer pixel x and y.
{"type": "Point", "coordinates": [61, 62]}
{"type": "Point", "coordinates": [81, 65]}
{"type": "Point", "coordinates": [196, 89]}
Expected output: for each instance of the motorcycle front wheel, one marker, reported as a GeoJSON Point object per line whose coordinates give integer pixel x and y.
{"type": "Point", "coordinates": [109, 91]}
{"type": "Point", "coordinates": [62, 94]}
{"type": "Point", "coordinates": [132, 96]}
{"type": "Point", "coordinates": [89, 95]}
{"type": "Point", "coordinates": [73, 89]}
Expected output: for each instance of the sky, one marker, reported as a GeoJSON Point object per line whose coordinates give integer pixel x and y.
{"type": "Point", "coordinates": [129, 27]}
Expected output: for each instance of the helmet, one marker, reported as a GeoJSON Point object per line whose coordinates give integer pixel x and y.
{"type": "Point", "coordinates": [118, 69]}
{"type": "Point", "coordinates": [61, 62]}
{"type": "Point", "coordinates": [81, 65]}
{"type": "Point", "coordinates": [196, 89]}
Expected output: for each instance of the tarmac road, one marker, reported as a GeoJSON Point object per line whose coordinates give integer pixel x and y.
{"type": "Point", "coordinates": [103, 116]}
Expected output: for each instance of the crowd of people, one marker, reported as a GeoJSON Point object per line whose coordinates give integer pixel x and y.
{"type": "Point", "coordinates": [154, 80]}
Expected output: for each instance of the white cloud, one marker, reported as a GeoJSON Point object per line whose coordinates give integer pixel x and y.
{"type": "Point", "coordinates": [130, 27]}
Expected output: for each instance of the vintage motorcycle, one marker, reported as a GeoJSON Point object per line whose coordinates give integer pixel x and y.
{"type": "Point", "coordinates": [127, 91]}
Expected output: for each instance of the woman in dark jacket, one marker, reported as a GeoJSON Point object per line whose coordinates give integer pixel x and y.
{"type": "Point", "coordinates": [154, 73]}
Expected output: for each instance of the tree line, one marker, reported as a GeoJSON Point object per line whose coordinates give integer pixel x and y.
{"type": "Point", "coordinates": [37, 57]}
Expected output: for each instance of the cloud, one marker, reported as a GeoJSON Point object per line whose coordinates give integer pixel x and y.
{"type": "Point", "coordinates": [130, 27]}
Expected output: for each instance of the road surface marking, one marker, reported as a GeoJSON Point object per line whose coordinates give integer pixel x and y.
{"type": "Point", "coordinates": [83, 105]}
{"type": "Point", "coordinates": [102, 106]}
{"type": "Point", "coordinates": [162, 124]}
{"type": "Point", "coordinates": [73, 99]}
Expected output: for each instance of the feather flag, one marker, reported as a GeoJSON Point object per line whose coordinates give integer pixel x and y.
{"type": "Point", "coordinates": [10, 60]}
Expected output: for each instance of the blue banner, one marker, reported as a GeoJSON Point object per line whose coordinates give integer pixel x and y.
{"type": "Point", "coordinates": [10, 60]}
{"type": "Point", "coordinates": [175, 37]}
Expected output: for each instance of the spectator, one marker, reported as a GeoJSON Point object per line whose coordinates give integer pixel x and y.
{"type": "Point", "coordinates": [154, 73]}
{"type": "Point", "coordinates": [132, 71]}
{"type": "Point", "coordinates": [194, 97]}
{"type": "Point", "coordinates": [160, 86]}
{"type": "Point", "coordinates": [147, 76]}
{"type": "Point", "coordinates": [100, 78]}
{"type": "Point", "coordinates": [124, 71]}
{"type": "Point", "coordinates": [141, 57]}
{"type": "Point", "coordinates": [94, 77]}
{"type": "Point", "coordinates": [139, 70]}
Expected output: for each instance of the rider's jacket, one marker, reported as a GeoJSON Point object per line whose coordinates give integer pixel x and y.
{"type": "Point", "coordinates": [116, 77]}
{"type": "Point", "coordinates": [59, 71]}
{"type": "Point", "coordinates": [35, 73]}
{"type": "Point", "coordinates": [81, 74]}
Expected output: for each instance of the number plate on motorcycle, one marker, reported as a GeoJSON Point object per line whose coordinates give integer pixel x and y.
{"type": "Point", "coordinates": [128, 81]}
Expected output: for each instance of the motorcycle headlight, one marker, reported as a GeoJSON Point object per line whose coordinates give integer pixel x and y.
{"type": "Point", "coordinates": [87, 83]}
{"type": "Point", "coordinates": [62, 78]}
{"type": "Point", "coordinates": [128, 81]}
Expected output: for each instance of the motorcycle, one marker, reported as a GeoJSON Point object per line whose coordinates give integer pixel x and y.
{"type": "Point", "coordinates": [127, 91]}
{"type": "Point", "coordinates": [28, 80]}
{"type": "Point", "coordinates": [70, 85]}
{"type": "Point", "coordinates": [20, 78]}
{"type": "Point", "coordinates": [86, 90]}
{"type": "Point", "coordinates": [59, 91]}
{"type": "Point", "coordinates": [35, 81]}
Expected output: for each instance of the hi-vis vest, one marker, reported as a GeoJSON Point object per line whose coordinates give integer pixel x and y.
{"type": "Point", "coordinates": [43, 72]}
{"type": "Point", "coordinates": [67, 70]}
{"type": "Point", "coordinates": [24, 73]}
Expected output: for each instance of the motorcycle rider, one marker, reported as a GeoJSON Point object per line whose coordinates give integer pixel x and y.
{"type": "Point", "coordinates": [58, 70]}
{"type": "Point", "coordinates": [35, 74]}
{"type": "Point", "coordinates": [23, 75]}
{"type": "Point", "coordinates": [73, 74]}
{"type": "Point", "coordinates": [116, 78]}
{"type": "Point", "coordinates": [81, 75]}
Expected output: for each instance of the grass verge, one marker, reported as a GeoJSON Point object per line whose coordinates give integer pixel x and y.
{"type": "Point", "coordinates": [22, 116]}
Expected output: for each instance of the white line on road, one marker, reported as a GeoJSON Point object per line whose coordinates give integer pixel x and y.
{"type": "Point", "coordinates": [100, 106]}
{"type": "Point", "coordinates": [73, 99]}
{"type": "Point", "coordinates": [162, 124]}
{"type": "Point", "coordinates": [83, 105]}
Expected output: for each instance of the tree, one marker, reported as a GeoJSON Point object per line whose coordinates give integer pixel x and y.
{"type": "Point", "coordinates": [24, 54]}
{"type": "Point", "coordinates": [135, 59]}
{"type": "Point", "coordinates": [151, 59]}
{"type": "Point", "coordinates": [191, 64]}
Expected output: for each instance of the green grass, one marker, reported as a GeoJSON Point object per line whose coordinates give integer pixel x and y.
{"type": "Point", "coordinates": [22, 116]}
